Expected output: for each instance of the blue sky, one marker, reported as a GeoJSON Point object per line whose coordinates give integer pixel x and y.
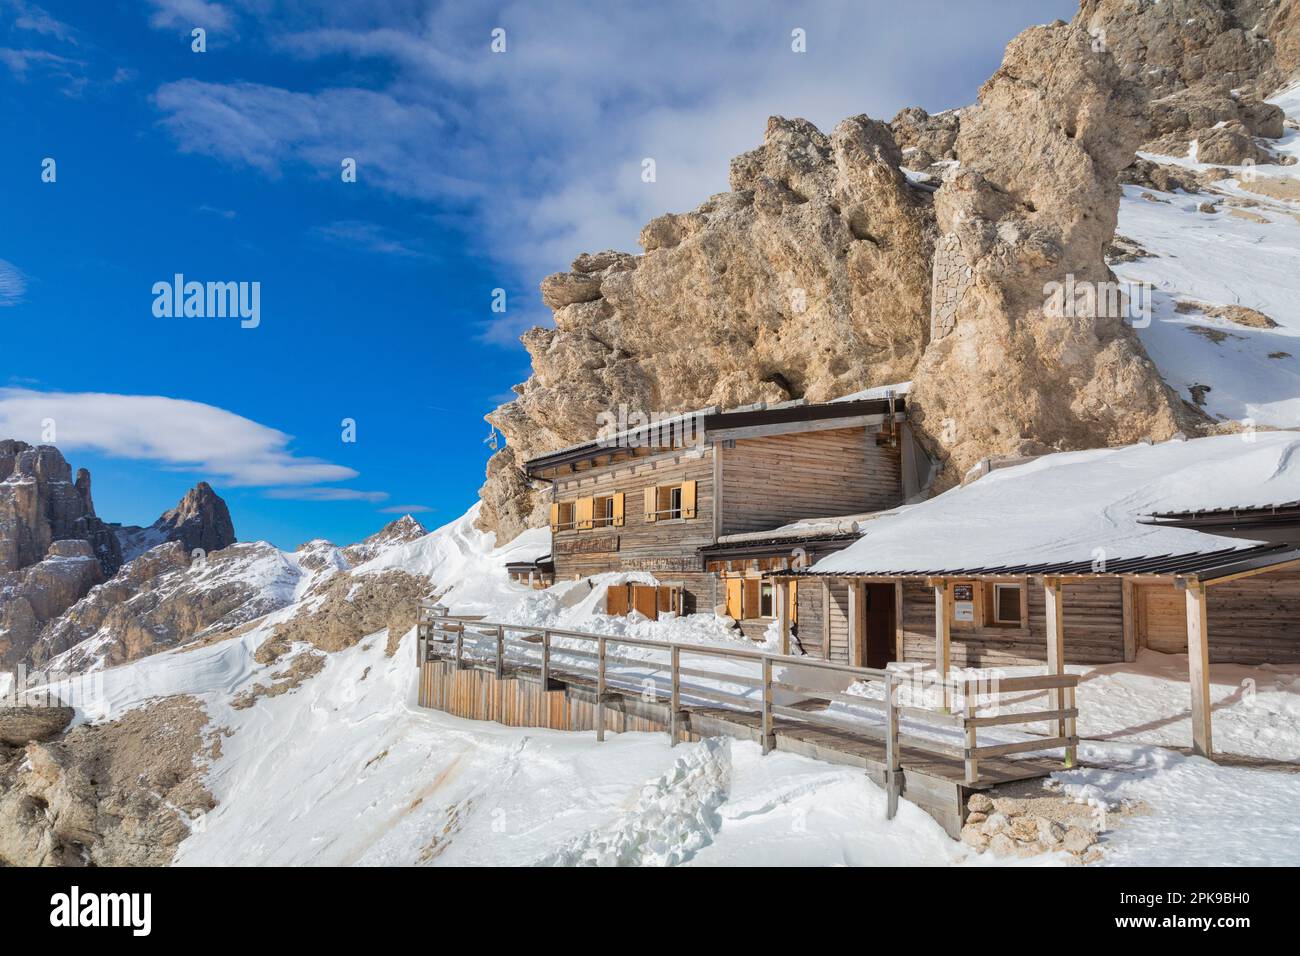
{"type": "Point", "coordinates": [475, 171]}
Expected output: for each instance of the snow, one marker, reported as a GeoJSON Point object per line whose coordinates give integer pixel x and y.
{"type": "Point", "coordinates": [1254, 264]}
{"type": "Point", "coordinates": [347, 770]}
{"type": "Point", "coordinates": [1080, 506]}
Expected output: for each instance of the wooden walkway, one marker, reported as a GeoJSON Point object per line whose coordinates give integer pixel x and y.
{"type": "Point", "coordinates": [521, 681]}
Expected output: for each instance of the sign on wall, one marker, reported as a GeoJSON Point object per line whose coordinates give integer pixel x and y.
{"type": "Point", "coordinates": [600, 545]}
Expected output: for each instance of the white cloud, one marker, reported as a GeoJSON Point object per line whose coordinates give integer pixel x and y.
{"type": "Point", "coordinates": [28, 16]}
{"type": "Point", "coordinates": [541, 146]}
{"type": "Point", "coordinates": [187, 14]}
{"type": "Point", "coordinates": [372, 237]}
{"type": "Point", "coordinates": [189, 436]}
{"type": "Point", "coordinates": [405, 510]}
{"type": "Point", "coordinates": [326, 494]}
{"type": "Point", "coordinates": [13, 284]}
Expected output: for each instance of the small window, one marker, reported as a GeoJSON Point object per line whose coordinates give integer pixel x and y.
{"type": "Point", "coordinates": [670, 502]}
{"type": "Point", "coordinates": [765, 601]}
{"type": "Point", "coordinates": [1006, 604]}
{"type": "Point", "coordinates": [564, 516]}
{"type": "Point", "coordinates": [602, 512]}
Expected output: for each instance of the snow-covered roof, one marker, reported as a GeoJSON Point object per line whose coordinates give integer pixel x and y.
{"type": "Point", "coordinates": [1080, 506]}
{"type": "Point", "coordinates": [804, 528]}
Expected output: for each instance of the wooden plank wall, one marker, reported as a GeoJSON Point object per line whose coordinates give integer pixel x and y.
{"type": "Point", "coordinates": [1256, 620]}
{"type": "Point", "coordinates": [776, 479]}
{"type": "Point", "coordinates": [478, 695]}
{"type": "Point", "coordinates": [838, 607]}
{"type": "Point", "coordinates": [808, 627]}
{"type": "Point", "coordinates": [1094, 628]}
{"type": "Point", "coordinates": [638, 539]}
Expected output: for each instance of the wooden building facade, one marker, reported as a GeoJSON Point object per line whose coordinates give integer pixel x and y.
{"type": "Point", "coordinates": [659, 498]}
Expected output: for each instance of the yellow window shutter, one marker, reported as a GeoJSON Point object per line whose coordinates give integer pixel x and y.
{"type": "Point", "coordinates": [750, 606]}
{"type": "Point", "coordinates": [582, 517]}
{"type": "Point", "coordinates": [651, 503]}
{"type": "Point", "coordinates": [617, 516]}
{"type": "Point", "coordinates": [733, 597]}
{"type": "Point", "coordinates": [555, 516]}
{"type": "Point", "coordinates": [794, 602]}
{"type": "Point", "coordinates": [688, 499]}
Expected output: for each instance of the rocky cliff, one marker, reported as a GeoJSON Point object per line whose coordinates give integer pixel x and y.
{"type": "Point", "coordinates": [818, 273]}
{"type": "Point", "coordinates": [54, 550]}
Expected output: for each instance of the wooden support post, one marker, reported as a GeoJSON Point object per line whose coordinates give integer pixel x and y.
{"type": "Point", "coordinates": [783, 614]}
{"type": "Point", "coordinates": [675, 705]}
{"type": "Point", "coordinates": [501, 651]}
{"type": "Point", "coordinates": [855, 625]}
{"type": "Point", "coordinates": [1056, 645]}
{"type": "Point", "coordinates": [546, 661]}
{"type": "Point", "coordinates": [943, 637]}
{"type": "Point", "coordinates": [600, 688]}
{"type": "Point", "coordinates": [769, 738]}
{"type": "Point", "coordinates": [1198, 668]}
{"type": "Point", "coordinates": [972, 762]}
{"type": "Point", "coordinates": [460, 645]}
{"type": "Point", "coordinates": [1071, 752]}
{"type": "Point", "coordinates": [1128, 604]}
{"type": "Point", "coordinates": [892, 767]}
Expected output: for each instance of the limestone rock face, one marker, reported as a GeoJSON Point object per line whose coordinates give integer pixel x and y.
{"type": "Point", "coordinates": [926, 139]}
{"type": "Point", "coordinates": [1208, 66]}
{"type": "Point", "coordinates": [809, 279]}
{"type": "Point", "coordinates": [22, 725]}
{"type": "Point", "coordinates": [200, 521]}
{"type": "Point", "coordinates": [112, 794]}
{"type": "Point", "coordinates": [40, 503]}
{"type": "Point", "coordinates": [1034, 201]}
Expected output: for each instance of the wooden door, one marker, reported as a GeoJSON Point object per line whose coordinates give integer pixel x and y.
{"type": "Point", "coordinates": [879, 626]}
{"type": "Point", "coordinates": [1162, 618]}
{"type": "Point", "coordinates": [645, 598]}
{"type": "Point", "coordinates": [734, 597]}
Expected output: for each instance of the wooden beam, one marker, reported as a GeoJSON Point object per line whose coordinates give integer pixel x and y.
{"type": "Point", "coordinates": [855, 625]}
{"type": "Point", "coordinates": [1198, 669]}
{"type": "Point", "coordinates": [899, 641]}
{"type": "Point", "coordinates": [943, 636]}
{"type": "Point", "coordinates": [1128, 595]}
{"type": "Point", "coordinates": [781, 590]}
{"type": "Point", "coordinates": [826, 620]}
{"type": "Point", "coordinates": [1055, 601]}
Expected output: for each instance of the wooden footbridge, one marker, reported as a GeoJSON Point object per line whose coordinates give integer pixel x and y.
{"type": "Point", "coordinates": [916, 735]}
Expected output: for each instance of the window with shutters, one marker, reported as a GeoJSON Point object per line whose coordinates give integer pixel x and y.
{"type": "Point", "coordinates": [562, 518]}
{"type": "Point", "coordinates": [668, 502]}
{"type": "Point", "coordinates": [607, 511]}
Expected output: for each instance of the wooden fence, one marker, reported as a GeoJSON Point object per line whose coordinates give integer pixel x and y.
{"type": "Point", "coordinates": [554, 654]}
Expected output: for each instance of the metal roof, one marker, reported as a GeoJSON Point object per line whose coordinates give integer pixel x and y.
{"type": "Point", "coordinates": [711, 419]}
{"type": "Point", "coordinates": [1206, 566]}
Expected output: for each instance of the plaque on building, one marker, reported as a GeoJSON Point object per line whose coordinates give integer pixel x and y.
{"type": "Point", "coordinates": [602, 544]}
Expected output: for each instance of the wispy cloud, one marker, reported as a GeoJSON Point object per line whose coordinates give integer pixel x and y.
{"type": "Point", "coordinates": [405, 510]}
{"type": "Point", "coordinates": [28, 16]}
{"type": "Point", "coordinates": [325, 494]}
{"type": "Point", "coordinates": [187, 14]}
{"type": "Point", "coordinates": [190, 436]}
{"type": "Point", "coordinates": [372, 237]}
{"type": "Point", "coordinates": [544, 143]}
{"type": "Point", "coordinates": [13, 284]}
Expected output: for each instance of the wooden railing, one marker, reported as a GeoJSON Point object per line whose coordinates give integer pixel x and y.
{"type": "Point", "coordinates": [468, 641]}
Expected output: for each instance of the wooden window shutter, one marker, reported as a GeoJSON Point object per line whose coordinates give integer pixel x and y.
{"type": "Point", "coordinates": [733, 597]}
{"type": "Point", "coordinates": [617, 516]}
{"type": "Point", "coordinates": [582, 514]}
{"type": "Point", "coordinates": [750, 607]}
{"type": "Point", "coordinates": [794, 602]}
{"type": "Point", "coordinates": [688, 499]}
{"type": "Point", "coordinates": [651, 503]}
{"type": "Point", "coordinates": [616, 599]}
{"type": "Point", "coordinates": [555, 516]}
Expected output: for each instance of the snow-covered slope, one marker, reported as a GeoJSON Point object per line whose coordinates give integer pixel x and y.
{"type": "Point", "coordinates": [1246, 252]}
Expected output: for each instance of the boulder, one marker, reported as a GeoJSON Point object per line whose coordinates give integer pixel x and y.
{"type": "Point", "coordinates": [24, 724]}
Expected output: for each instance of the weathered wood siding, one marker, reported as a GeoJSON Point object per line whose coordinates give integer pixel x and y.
{"type": "Point", "coordinates": [776, 479]}
{"type": "Point", "coordinates": [1094, 628]}
{"type": "Point", "coordinates": [811, 617]}
{"type": "Point", "coordinates": [1255, 620]}
{"type": "Point", "coordinates": [837, 594]}
{"type": "Point", "coordinates": [665, 548]}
